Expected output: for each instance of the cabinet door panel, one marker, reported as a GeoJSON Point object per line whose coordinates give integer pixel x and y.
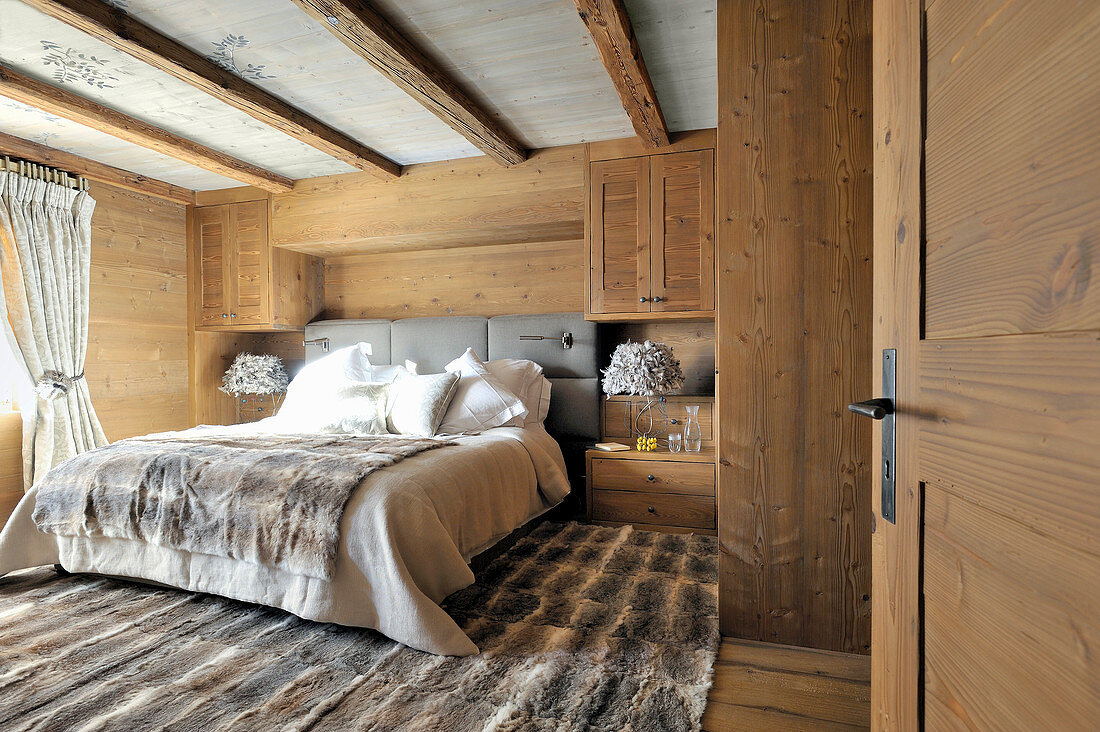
{"type": "Point", "coordinates": [212, 223]}
{"type": "Point", "coordinates": [619, 235]}
{"type": "Point", "coordinates": [682, 231]}
{"type": "Point", "coordinates": [252, 266]}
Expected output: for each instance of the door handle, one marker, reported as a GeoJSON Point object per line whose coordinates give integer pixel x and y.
{"type": "Point", "coordinates": [882, 409]}
{"type": "Point", "coordinates": [873, 408]}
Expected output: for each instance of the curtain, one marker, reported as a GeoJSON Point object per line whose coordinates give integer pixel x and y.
{"type": "Point", "coordinates": [45, 262]}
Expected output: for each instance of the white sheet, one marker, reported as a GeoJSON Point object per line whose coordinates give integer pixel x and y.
{"type": "Point", "coordinates": [406, 535]}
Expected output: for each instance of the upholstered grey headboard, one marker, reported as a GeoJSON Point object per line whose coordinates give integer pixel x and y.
{"type": "Point", "coordinates": [434, 342]}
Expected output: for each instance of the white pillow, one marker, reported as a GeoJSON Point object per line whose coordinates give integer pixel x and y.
{"type": "Point", "coordinates": [419, 403]}
{"type": "Point", "coordinates": [481, 401]}
{"type": "Point", "coordinates": [524, 378]}
{"type": "Point", "coordinates": [360, 409]}
{"type": "Point", "coordinates": [312, 397]}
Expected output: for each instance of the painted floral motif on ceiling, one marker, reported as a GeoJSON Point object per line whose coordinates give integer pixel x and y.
{"type": "Point", "coordinates": [71, 66]}
{"type": "Point", "coordinates": [225, 56]}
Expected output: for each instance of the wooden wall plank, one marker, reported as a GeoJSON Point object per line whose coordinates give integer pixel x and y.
{"type": "Point", "coordinates": [493, 280]}
{"type": "Point", "coordinates": [1003, 204]}
{"type": "Point", "coordinates": [137, 332]}
{"type": "Point", "coordinates": [794, 321]}
{"type": "Point", "coordinates": [468, 202]}
{"type": "Point", "coordinates": [11, 463]}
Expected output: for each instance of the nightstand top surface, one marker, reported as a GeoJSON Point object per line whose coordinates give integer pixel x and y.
{"type": "Point", "coordinates": [706, 455]}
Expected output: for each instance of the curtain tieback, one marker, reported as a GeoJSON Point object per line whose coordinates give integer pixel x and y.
{"type": "Point", "coordinates": [55, 384]}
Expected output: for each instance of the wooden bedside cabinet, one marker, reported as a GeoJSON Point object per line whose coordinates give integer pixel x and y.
{"type": "Point", "coordinates": [660, 491]}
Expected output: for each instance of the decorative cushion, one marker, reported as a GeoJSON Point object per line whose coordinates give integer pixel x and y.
{"type": "Point", "coordinates": [313, 395]}
{"type": "Point", "coordinates": [419, 403]}
{"type": "Point", "coordinates": [481, 401]}
{"type": "Point", "coordinates": [360, 409]}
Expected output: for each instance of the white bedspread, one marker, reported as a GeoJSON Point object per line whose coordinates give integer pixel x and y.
{"type": "Point", "coordinates": [406, 535]}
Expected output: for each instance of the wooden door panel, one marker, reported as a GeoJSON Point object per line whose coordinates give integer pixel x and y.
{"type": "Point", "coordinates": [682, 230]}
{"type": "Point", "coordinates": [213, 232]}
{"type": "Point", "coordinates": [253, 265]}
{"type": "Point", "coordinates": [997, 328]}
{"type": "Point", "coordinates": [1004, 631]}
{"type": "Point", "coordinates": [619, 235]}
{"type": "Point", "coordinates": [1004, 201]}
{"type": "Point", "coordinates": [1014, 421]}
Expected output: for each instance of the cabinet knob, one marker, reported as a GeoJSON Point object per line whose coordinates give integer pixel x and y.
{"type": "Point", "coordinates": [673, 420]}
{"type": "Point", "coordinates": [657, 298]}
{"type": "Point", "coordinates": [643, 299]}
{"type": "Point", "coordinates": [652, 509]}
{"type": "Point", "coordinates": [651, 478]}
{"type": "Point", "coordinates": [232, 315]}
{"type": "Point", "coordinates": [225, 315]}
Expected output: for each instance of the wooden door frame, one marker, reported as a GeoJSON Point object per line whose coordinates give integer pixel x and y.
{"type": "Point", "coordinates": [896, 621]}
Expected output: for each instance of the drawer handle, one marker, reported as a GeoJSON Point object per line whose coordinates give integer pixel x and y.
{"type": "Point", "coordinates": [643, 299]}
{"type": "Point", "coordinates": [651, 478]}
{"type": "Point", "coordinates": [652, 509]}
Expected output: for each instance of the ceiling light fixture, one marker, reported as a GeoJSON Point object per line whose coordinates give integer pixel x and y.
{"type": "Point", "coordinates": [333, 20]}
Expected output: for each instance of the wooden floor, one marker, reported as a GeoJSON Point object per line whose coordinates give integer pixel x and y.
{"type": "Point", "coordinates": [763, 686]}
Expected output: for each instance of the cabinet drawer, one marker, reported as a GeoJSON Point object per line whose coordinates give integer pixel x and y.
{"type": "Point", "coordinates": [663, 509]}
{"type": "Point", "coordinates": [656, 476]}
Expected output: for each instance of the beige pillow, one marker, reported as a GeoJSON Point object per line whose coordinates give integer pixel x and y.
{"type": "Point", "coordinates": [419, 403]}
{"type": "Point", "coordinates": [359, 408]}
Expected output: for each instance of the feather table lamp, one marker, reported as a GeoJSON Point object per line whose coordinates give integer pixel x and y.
{"type": "Point", "coordinates": [643, 369]}
{"type": "Point", "coordinates": [252, 379]}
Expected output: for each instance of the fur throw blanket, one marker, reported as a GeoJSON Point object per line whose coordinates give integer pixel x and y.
{"type": "Point", "coordinates": [273, 500]}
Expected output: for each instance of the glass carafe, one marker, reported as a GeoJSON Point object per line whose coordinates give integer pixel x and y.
{"type": "Point", "coordinates": [693, 433]}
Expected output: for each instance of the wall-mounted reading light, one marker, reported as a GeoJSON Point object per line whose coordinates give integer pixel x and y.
{"type": "Point", "coordinates": [565, 338]}
{"type": "Point", "coordinates": [322, 342]}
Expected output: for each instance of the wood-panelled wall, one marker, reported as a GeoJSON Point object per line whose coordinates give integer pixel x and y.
{"type": "Point", "coordinates": [137, 332]}
{"type": "Point", "coordinates": [503, 279]}
{"type": "Point", "coordinates": [794, 202]}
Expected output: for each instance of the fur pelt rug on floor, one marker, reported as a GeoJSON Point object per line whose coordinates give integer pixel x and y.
{"type": "Point", "coordinates": [580, 627]}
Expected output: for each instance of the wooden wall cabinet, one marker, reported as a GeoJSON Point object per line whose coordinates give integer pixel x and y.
{"type": "Point", "coordinates": [650, 236]}
{"type": "Point", "coordinates": [242, 282]}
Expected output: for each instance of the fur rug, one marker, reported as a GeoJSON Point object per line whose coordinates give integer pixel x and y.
{"type": "Point", "coordinates": [273, 500]}
{"type": "Point", "coordinates": [580, 627]}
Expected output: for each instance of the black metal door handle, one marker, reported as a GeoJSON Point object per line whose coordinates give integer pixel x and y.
{"type": "Point", "coordinates": [873, 408]}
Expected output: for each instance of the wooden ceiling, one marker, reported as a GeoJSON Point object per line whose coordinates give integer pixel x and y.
{"type": "Point", "coordinates": [205, 94]}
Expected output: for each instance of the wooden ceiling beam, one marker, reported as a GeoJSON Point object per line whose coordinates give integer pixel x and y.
{"type": "Point", "coordinates": [362, 29]}
{"type": "Point", "coordinates": [62, 103]}
{"type": "Point", "coordinates": [17, 147]}
{"type": "Point", "coordinates": [118, 30]}
{"type": "Point", "coordinates": [611, 31]}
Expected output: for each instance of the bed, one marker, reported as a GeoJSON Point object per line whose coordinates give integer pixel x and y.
{"type": "Point", "coordinates": [409, 531]}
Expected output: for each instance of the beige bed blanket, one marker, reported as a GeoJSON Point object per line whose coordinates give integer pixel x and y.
{"type": "Point", "coordinates": [274, 500]}
{"type": "Point", "coordinates": [406, 535]}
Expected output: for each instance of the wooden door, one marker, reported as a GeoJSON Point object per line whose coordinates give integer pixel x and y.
{"type": "Point", "coordinates": [250, 265]}
{"type": "Point", "coordinates": [986, 591]}
{"type": "Point", "coordinates": [619, 238]}
{"type": "Point", "coordinates": [213, 230]}
{"type": "Point", "coordinates": [682, 231]}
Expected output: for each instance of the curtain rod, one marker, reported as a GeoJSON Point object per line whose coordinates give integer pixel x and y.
{"type": "Point", "coordinates": [44, 172]}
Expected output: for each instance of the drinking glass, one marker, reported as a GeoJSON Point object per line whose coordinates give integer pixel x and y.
{"type": "Point", "coordinates": [675, 443]}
